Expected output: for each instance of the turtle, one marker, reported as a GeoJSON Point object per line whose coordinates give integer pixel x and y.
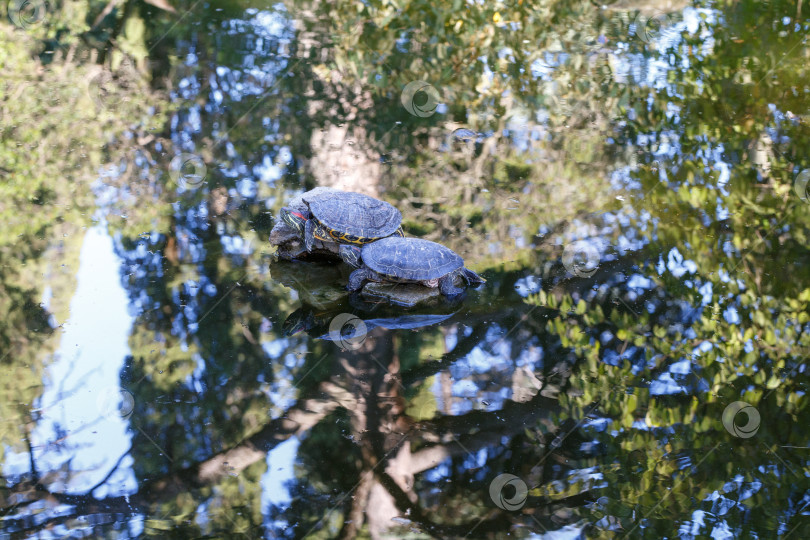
{"type": "Point", "coordinates": [289, 241]}
{"type": "Point", "coordinates": [344, 217]}
{"type": "Point", "coordinates": [408, 260]}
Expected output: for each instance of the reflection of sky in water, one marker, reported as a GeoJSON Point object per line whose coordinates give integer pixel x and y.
{"type": "Point", "coordinates": [72, 426]}
{"type": "Point", "coordinates": [280, 461]}
{"type": "Point", "coordinates": [569, 532]}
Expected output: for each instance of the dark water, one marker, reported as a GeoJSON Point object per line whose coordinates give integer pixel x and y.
{"type": "Point", "coordinates": [632, 185]}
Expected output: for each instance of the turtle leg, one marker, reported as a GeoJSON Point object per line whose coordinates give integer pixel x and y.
{"type": "Point", "coordinates": [358, 278]}
{"type": "Point", "coordinates": [399, 232]}
{"type": "Point", "coordinates": [447, 287]}
{"type": "Point", "coordinates": [350, 254]}
{"type": "Point", "coordinates": [309, 234]}
{"type": "Point", "coordinates": [471, 277]}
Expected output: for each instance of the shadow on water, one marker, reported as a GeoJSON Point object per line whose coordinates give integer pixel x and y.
{"type": "Point", "coordinates": [629, 178]}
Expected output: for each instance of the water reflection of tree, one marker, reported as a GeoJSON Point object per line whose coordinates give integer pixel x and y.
{"type": "Point", "coordinates": [362, 382]}
{"type": "Point", "coordinates": [589, 338]}
{"type": "Point", "coordinates": [370, 392]}
{"type": "Point", "coordinates": [46, 207]}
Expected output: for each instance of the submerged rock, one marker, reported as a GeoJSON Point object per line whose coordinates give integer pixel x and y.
{"type": "Point", "coordinates": [401, 294]}
{"type": "Point", "coordinates": [407, 294]}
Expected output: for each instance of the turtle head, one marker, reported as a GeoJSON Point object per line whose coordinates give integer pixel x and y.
{"type": "Point", "coordinates": [296, 220]}
{"type": "Point", "coordinates": [297, 321]}
{"type": "Point", "coordinates": [350, 254]}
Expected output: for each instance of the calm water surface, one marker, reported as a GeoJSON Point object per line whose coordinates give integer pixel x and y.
{"type": "Point", "coordinates": [630, 179]}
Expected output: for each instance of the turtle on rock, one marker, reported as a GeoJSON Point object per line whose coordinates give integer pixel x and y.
{"type": "Point", "coordinates": [408, 260]}
{"type": "Point", "coordinates": [343, 217]}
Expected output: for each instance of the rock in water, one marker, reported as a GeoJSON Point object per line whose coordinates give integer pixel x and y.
{"type": "Point", "coordinates": [402, 294]}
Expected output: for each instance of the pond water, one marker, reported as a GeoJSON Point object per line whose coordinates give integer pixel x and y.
{"type": "Point", "coordinates": [629, 178]}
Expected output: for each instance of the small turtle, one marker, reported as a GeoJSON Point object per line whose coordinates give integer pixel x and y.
{"type": "Point", "coordinates": [408, 260]}
{"type": "Point", "coordinates": [344, 217]}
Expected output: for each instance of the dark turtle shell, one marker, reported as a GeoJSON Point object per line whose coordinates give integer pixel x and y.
{"type": "Point", "coordinates": [410, 258]}
{"type": "Point", "coordinates": [354, 214]}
